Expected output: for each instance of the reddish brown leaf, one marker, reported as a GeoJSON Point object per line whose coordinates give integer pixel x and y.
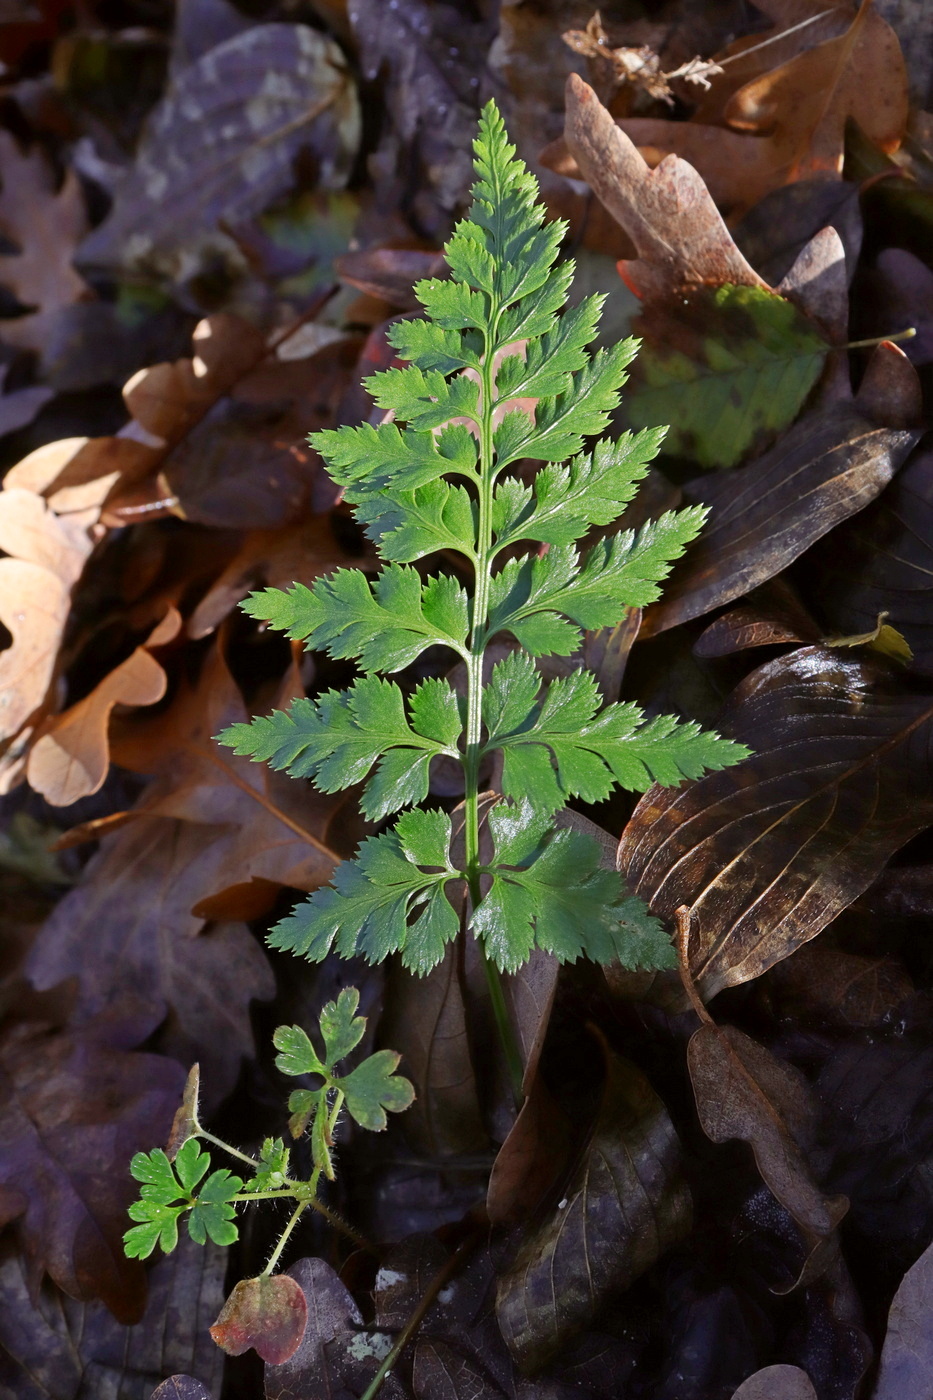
{"type": "Point", "coordinates": [268, 1314]}
{"type": "Point", "coordinates": [532, 1158]}
{"type": "Point", "coordinates": [769, 853]}
{"type": "Point", "coordinates": [680, 236]}
{"type": "Point", "coordinates": [772, 616]}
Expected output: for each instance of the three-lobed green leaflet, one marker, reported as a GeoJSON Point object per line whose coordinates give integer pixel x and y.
{"type": "Point", "coordinates": [499, 374]}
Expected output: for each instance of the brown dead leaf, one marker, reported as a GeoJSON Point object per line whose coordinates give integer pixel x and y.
{"type": "Point", "coordinates": [269, 1314]}
{"type": "Point", "coordinates": [75, 1107]}
{"type": "Point", "coordinates": [624, 1206]}
{"type": "Point", "coordinates": [837, 988]}
{"type": "Point", "coordinates": [743, 1091]}
{"type": "Point", "coordinates": [45, 225]}
{"type": "Point", "coordinates": [71, 756]}
{"type": "Point", "coordinates": [907, 1357]}
{"type": "Point", "coordinates": [669, 214]}
{"type": "Point", "coordinates": [789, 122]}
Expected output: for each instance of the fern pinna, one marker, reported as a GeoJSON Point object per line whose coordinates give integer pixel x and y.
{"type": "Point", "coordinates": [498, 373]}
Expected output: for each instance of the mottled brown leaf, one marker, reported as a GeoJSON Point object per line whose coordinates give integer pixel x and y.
{"type": "Point", "coordinates": [769, 853]}
{"type": "Point", "coordinates": [624, 1206]}
{"type": "Point", "coordinates": [221, 142]}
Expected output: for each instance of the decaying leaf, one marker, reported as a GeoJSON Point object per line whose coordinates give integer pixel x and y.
{"type": "Point", "coordinates": [763, 516]}
{"type": "Point", "coordinates": [624, 1206]}
{"type": "Point", "coordinates": [789, 123]}
{"type": "Point", "coordinates": [54, 1348]}
{"type": "Point", "coordinates": [768, 854]}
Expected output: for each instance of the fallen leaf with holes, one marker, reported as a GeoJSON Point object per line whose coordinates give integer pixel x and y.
{"type": "Point", "coordinates": [71, 756]}
{"type": "Point", "coordinates": [45, 224]}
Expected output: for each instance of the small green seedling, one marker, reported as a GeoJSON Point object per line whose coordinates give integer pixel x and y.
{"type": "Point", "coordinates": [178, 1183]}
{"type": "Point", "coordinates": [499, 377]}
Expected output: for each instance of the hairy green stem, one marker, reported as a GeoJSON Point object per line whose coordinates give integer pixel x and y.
{"type": "Point", "coordinates": [283, 1240]}
{"type": "Point", "coordinates": [474, 727]}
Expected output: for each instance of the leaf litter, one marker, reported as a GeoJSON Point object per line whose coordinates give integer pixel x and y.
{"type": "Point", "coordinates": [667, 1216]}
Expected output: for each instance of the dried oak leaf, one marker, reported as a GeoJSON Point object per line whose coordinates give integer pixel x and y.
{"type": "Point", "coordinates": [45, 224]}
{"type": "Point", "coordinates": [54, 1348]}
{"type": "Point", "coordinates": [75, 1106]}
{"type": "Point", "coordinates": [128, 935]}
{"type": "Point", "coordinates": [71, 757]}
{"type": "Point", "coordinates": [220, 147]}
{"type": "Point", "coordinates": [767, 855]}
{"type": "Point", "coordinates": [624, 1206]}
{"type": "Point", "coordinates": [789, 122]}
{"type": "Point", "coordinates": [907, 1357]}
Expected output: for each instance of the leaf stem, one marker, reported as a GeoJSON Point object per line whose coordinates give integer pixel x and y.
{"type": "Point", "coordinates": [474, 727]}
{"type": "Point", "coordinates": [283, 1239]}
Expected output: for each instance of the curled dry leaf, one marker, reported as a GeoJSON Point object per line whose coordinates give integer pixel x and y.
{"type": "Point", "coordinates": [768, 854]}
{"type": "Point", "coordinates": [772, 615]}
{"type": "Point", "coordinates": [907, 1357]}
{"type": "Point", "coordinates": [743, 1091]}
{"type": "Point", "coordinates": [185, 1122]}
{"type": "Point", "coordinates": [624, 1206]}
{"type": "Point", "coordinates": [266, 1313]}
{"type": "Point", "coordinates": [777, 1383]}
{"type": "Point", "coordinates": [71, 756]}
{"type": "Point", "coordinates": [219, 146]}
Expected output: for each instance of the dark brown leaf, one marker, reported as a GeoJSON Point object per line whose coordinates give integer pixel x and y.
{"type": "Point", "coordinates": [772, 616]}
{"type": "Point", "coordinates": [75, 1107]}
{"type": "Point", "coordinates": [827, 467]}
{"type": "Point", "coordinates": [625, 1204]}
{"type": "Point", "coordinates": [53, 1348]}
{"type": "Point", "coordinates": [390, 273]}
{"type": "Point", "coordinates": [768, 853]}
{"type": "Point", "coordinates": [441, 1373]}
{"type": "Point", "coordinates": [743, 1092]}
{"type": "Point", "coordinates": [838, 988]}
{"type": "Point", "coordinates": [338, 1357]}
